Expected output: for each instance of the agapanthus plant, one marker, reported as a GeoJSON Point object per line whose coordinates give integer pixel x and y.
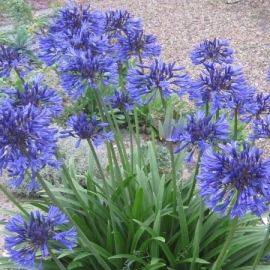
{"type": "Point", "coordinates": [235, 180]}
{"type": "Point", "coordinates": [261, 128]}
{"type": "Point", "coordinates": [51, 48]}
{"type": "Point", "coordinates": [74, 27]}
{"type": "Point", "coordinates": [71, 18]}
{"type": "Point", "coordinates": [54, 46]}
{"type": "Point", "coordinates": [120, 22]}
{"type": "Point", "coordinates": [27, 143]}
{"type": "Point", "coordinates": [39, 233]}
{"type": "Point", "coordinates": [84, 128]}
{"type": "Point", "coordinates": [157, 77]}
{"type": "Point", "coordinates": [9, 60]}
{"type": "Point", "coordinates": [82, 70]}
{"type": "Point", "coordinates": [261, 104]}
{"type": "Point", "coordinates": [37, 95]}
{"type": "Point", "coordinates": [121, 100]}
{"type": "Point", "coordinates": [216, 51]}
{"type": "Point", "coordinates": [242, 104]}
{"type": "Point", "coordinates": [201, 132]}
{"type": "Point", "coordinates": [220, 85]}
{"type": "Point", "coordinates": [137, 45]}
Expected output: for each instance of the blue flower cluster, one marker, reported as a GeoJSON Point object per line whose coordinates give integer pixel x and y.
{"type": "Point", "coordinates": [89, 46]}
{"type": "Point", "coordinates": [201, 132]}
{"type": "Point", "coordinates": [82, 70]}
{"type": "Point", "coordinates": [83, 128]}
{"type": "Point", "coordinates": [11, 59]}
{"type": "Point", "coordinates": [261, 128]}
{"type": "Point", "coordinates": [235, 180]}
{"type": "Point", "coordinates": [222, 85]}
{"type": "Point", "coordinates": [137, 44]}
{"type": "Point", "coordinates": [161, 78]}
{"type": "Point", "coordinates": [121, 100]}
{"type": "Point", "coordinates": [40, 233]}
{"type": "Point", "coordinates": [27, 142]}
{"type": "Point", "coordinates": [120, 23]}
{"type": "Point", "coordinates": [216, 51]}
{"type": "Point", "coordinates": [38, 95]}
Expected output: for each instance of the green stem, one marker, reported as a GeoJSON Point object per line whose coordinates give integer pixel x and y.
{"type": "Point", "coordinates": [107, 194]}
{"type": "Point", "coordinates": [141, 62]}
{"type": "Point", "coordinates": [130, 129]}
{"type": "Point", "coordinates": [197, 237]}
{"type": "Point", "coordinates": [19, 76]}
{"type": "Point", "coordinates": [137, 128]}
{"type": "Point", "coordinates": [98, 163]}
{"type": "Point", "coordinates": [59, 264]}
{"type": "Point", "coordinates": [262, 248]}
{"type": "Point", "coordinates": [235, 125]}
{"type": "Point", "coordinates": [224, 250]}
{"type": "Point", "coordinates": [119, 142]}
{"type": "Point", "coordinates": [194, 178]}
{"type": "Point", "coordinates": [162, 99]}
{"type": "Point", "coordinates": [11, 198]}
{"type": "Point", "coordinates": [217, 114]}
{"type": "Point", "coordinates": [173, 177]}
{"type": "Point", "coordinates": [207, 109]}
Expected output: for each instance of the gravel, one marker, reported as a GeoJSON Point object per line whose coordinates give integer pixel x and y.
{"type": "Point", "coordinates": [181, 24]}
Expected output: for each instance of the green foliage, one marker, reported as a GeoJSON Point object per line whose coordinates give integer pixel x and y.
{"type": "Point", "coordinates": [135, 227]}
{"type": "Point", "coordinates": [19, 11]}
{"type": "Point", "coordinates": [162, 158]}
{"type": "Point", "coordinates": [37, 22]}
{"type": "Point", "coordinates": [21, 40]}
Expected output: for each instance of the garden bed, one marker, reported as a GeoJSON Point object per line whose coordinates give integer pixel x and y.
{"type": "Point", "coordinates": [181, 24]}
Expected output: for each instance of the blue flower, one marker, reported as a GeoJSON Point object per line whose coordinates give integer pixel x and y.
{"type": "Point", "coordinates": [54, 46]}
{"type": "Point", "coordinates": [119, 22]}
{"type": "Point", "coordinates": [70, 19]}
{"type": "Point", "coordinates": [51, 48]}
{"type": "Point", "coordinates": [83, 41]}
{"type": "Point", "coordinates": [216, 51]}
{"type": "Point", "coordinates": [172, 129]}
{"type": "Point", "coordinates": [261, 128]}
{"type": "Point", "coordinates": [26, 142]}
{"type": "Point", "coordinates": [37, 95]}
{"type": "Point", "coordinates": [219, 85]}
{"type": "Point", "coordinates": [38, 234]}
{"type": "Point", "coordinates": [262, 104]}
{"type": "Point", "coordinates": [235, 180]}
{"type": "Point", "coordinates": [160, 78]}
{"type": "Point", "coordinates": [121, 100]}
{"type": "Point", "coordinates": [201, 132]}
{"type": "Point", "coordinates": [242, 103]}
{"type": "Point", "coordinates": [77, 28]}
{"type": "Point", "coordinates": [268, 74]}
{"type": "Point", "coordinates": [82, 70]}
{"type": "Point", "coordinates": [137, 44]}
{"type": "Point", "coordinates": [10, 59]}
{"type": "Point", "coordinates": [87, 129]}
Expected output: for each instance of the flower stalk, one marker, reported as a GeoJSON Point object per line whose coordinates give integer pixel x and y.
{"type": "Point", "coordinates": [222, 255]}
